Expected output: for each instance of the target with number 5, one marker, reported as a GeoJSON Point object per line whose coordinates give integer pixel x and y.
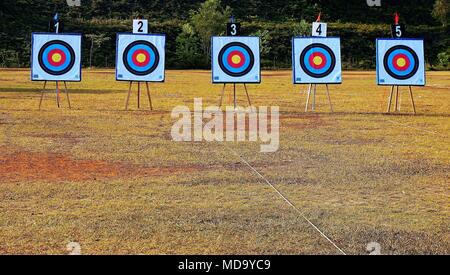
{"type": "Point", "coordinates": [140, 57]}
{"type": "Point", "coordinates": [316, 60]}
{"type": "Point", "coordinates": [400, 62]}
{"type": "Point", "coordinates": [56, 57]}
{"type": "Point", "coordinates": [236, 60]}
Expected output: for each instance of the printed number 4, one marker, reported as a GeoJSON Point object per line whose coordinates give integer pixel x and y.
{"type": "Point", "coordinates": [319, 29]}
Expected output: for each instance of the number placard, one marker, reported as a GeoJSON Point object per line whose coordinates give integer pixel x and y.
{"type": "Point", "coordinates": [233, 29]}
{"type": "Point", "coordinates": [140, 26]}
{"type": "Point", "coordinates": [398, 31]}
{"type": "Point", "coordinates": [319, 29]}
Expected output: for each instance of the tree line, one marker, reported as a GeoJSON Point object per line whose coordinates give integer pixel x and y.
{"type": "Point", "coordinates": [189, 24]}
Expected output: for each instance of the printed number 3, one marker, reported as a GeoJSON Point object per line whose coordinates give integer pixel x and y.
{"type": "Point", "coordinates": [233, 29]}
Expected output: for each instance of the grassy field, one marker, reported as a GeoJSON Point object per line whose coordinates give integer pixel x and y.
{"type": "Point", "coordinates": [115, 182]}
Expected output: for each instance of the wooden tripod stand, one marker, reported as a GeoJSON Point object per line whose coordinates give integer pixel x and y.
{"type": "Point", "coordinates": [313, 91]}
{"type": "Point", "coordinates": [234, 95]}
{"type": "Point", "coordinates": [397, 99]}
{"type": "Point", "coordinates": [139, 95]}
{"type": "Point", "coordinates": [58, 101]}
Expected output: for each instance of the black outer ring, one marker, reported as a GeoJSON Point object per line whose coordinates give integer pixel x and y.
{"type": "Point", "coordinates": [131, 70]}
{"type": "Point", "coordinates": [394, 75]}
{"type": "Point", "coordinates": [250, 53]}
{"type": "Point", "coordinates": [50, 43]}
{"type": "Point", "coordinates": [326, 48]}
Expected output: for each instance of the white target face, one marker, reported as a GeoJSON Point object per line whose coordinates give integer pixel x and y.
{"type": "Point", "coordinates": [316, 60]}
{"type": "Point", "coordinates": [400, 62]}
{"type": "Point", "coordinates": [235, 59]}
{"type": "Point", "coordinates": [56, 57]}
{"type": "Point", "coordinates": [140, 57]}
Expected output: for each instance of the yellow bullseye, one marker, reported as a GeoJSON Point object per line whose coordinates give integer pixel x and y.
{"type": "Point", "coordinates": [56, 57]}
{"type": "Point", "coordinates": [236, 59]}
{"type": "Point", "coordinates": [141, 58]}
{"type": "Point", "coordinates": [317, 60]}
{"type": "Point", "coordinates": [401, 62]}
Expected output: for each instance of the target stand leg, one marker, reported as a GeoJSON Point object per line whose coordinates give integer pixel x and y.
{"type": "Point", "coordinates": [149, 97]}
{"type": "Point", "coordinates": [396, 100]}
{"type": "Point", "coordinates": [67, 94]}
{"type": "Point", "coordinates": [221, 96]}
{"type": "Point", "coordinates": [42, 94]}
{"type": "Point", "coordinates": [390, 99]}
{"type": "Point", "coordinates": [308, 97]}
{"type": "Point", "coordinates": [234, 95]}
{"type": "Point", "coordinates": [248, 96]}
{"type": "Point", "coordinates": [329, 98]}
{"type": "Point", "coordinates": [412, 99]}
{"type": "Point", "coordinates": [128, 97]}
{"type": "Point", "coordinates": [57, 94]}
{"type": "Point", "coordinates": [314, 98]}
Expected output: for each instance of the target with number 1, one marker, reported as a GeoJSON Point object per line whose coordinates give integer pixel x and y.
{"type": "Point", "coordinates": [56, 57]}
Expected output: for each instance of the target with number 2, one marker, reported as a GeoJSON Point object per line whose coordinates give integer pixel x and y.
{"type": "Point", "coordinates": [316, 60]}
{"type": "Point", "coordinates": [140, 57]}
{"type": "Point", "coordinates": [236, 60]}
{"type": "Point", "coordinates": [400, 62]}
{"type": "Point", "coordinates": [56, 57]}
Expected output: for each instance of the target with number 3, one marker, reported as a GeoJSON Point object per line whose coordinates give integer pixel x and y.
{"type": "Point", "coordinates": [236, 60]}
{"type": "Point", "coordinates": [316, 60]}
{"type": "Point", "coordinates": [56, 57]}
{"type": "Point", "coordinates": [140, 57]}
{"type": "Point", "coordinates": [400, 62]}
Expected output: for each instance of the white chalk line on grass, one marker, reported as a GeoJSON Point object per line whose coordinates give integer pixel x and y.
{"type": "Point", "coordinates": [287, 200]}
{"type": "Point", "coordinates": [416, 128]}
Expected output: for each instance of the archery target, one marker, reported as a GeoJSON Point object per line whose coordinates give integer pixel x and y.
{"type": "Point", "coordinates": [400, 62]}
{"type": "Point", "coordinates": [316, 60]}
{"type": "Point", "coordinates": [56, 57]}
{"type": "Point", "coordinates": [140, 57]}
{"type": "Point", "coordinates": [236, 60]}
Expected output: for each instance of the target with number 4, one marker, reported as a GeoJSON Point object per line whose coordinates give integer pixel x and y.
{"type": "Point", "coordinates": [400, 62]}
{"type": "Point", "coordinates": [316, 60]}
{"type": "Point", "coordinates": [140, 57]}
{"type": "Point", "coordinates": [56, 57]}
{"type": "Point", "coordinates": [236, 60]}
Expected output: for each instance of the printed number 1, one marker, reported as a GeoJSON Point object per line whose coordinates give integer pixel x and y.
{"type": "Point", "coordinates": [233, 29]}
{"type": "Point", "coordinates": [141, 24]}
{"type": "Point", "coordinates": [319, 29]}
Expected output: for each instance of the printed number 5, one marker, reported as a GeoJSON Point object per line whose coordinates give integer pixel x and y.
{"type": "Point", "coordinates": [233, 29]}
{"type": "Point", "coordinates": [398, 31]}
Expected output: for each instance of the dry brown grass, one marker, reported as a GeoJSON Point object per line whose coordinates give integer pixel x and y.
{"type": "Point", "coordinates": [115, 182]}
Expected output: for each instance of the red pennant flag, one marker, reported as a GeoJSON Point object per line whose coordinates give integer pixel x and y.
{"type": "Point", "coordinates": [318, 17]}
{"type": "Point", "coordinates": [397, 18]}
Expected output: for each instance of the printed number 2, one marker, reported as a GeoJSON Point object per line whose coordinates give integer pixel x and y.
{"type": "Point", "coordinates": [398, 31]}
{"type": "Point", "coordinates": [141, 25]}
{"type": "Point", "coordinates": [233, 29]}
{"type": "Point", "coordinates": [319, 29]}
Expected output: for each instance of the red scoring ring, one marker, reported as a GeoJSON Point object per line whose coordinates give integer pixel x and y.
{"type": "Point", "coordinates": [52, 53]}
{"type": "Point", "coordinates": [321, 65]}
{"type": "Point", "coordinates": [230, 61]}
{"type": "Point", "coordinates": [407, 64]}
{"type": "Point", "coordinates": [141, 64]}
